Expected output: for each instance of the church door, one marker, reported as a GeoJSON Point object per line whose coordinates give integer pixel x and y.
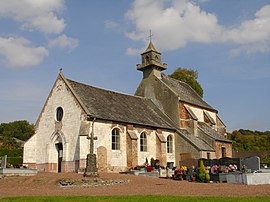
{"type": "Point", "coordinates": [59, 147]}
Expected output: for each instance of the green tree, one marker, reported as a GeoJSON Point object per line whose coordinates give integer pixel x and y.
{"type": "Point", "coordinates": [22, 130]}
{"type": "Point", "coordinates": [247, 140]}
{"type": "Point", "coordinates": [188, 76]}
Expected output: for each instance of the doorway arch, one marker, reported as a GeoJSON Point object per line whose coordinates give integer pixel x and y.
{"type": "Point", "coordinates": [57, 152]}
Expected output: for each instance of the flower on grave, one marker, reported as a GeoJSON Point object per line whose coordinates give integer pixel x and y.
{"type": "Point", "coordinates": [215, 169]}
{"type": "Point", "coordinates": [231, 168]}
{"type": "Point", "coordinates": [149, 168]}
{"type": "Point", "coordinates": [184, 168]}
{"type": "Point", "coordinates": [146, 163]}
{"type": "Point", "coordinates": [179, 171]}
{"type": "Point", "coordinates": [243, 168]}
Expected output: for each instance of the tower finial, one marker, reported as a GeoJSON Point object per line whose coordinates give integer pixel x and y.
{"type": "Point", "coordinates": [150, 36]}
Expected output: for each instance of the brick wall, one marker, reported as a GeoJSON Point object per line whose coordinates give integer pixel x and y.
{"type": "Point", "coordinates": [228, 149]}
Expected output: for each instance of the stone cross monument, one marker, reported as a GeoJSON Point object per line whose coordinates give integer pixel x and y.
{"type": "Point", "coordinates": [91, 161]}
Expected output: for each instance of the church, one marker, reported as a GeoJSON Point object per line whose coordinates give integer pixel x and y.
{"type": "Point", "coordinates": [165, 120]}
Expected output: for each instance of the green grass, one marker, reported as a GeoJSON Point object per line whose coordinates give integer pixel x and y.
{"type": "Point", "coordinates": [137, 198]}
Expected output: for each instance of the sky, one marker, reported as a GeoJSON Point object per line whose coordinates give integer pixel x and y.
{"type": "Point", "coordinates": [99, 42]}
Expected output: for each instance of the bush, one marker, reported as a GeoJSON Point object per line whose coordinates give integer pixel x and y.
{"type": "Point", "coordinates": [11, 152]}
{"type": "Point", "coordinates": [201, 174]}
{"type": "Point", "coordinates": [15, 161]}
{"type": "Point", "coordinates": [14, 156]}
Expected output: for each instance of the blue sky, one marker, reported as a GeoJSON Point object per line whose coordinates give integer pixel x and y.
{"type": "Point", "coordinates": [99, 42]}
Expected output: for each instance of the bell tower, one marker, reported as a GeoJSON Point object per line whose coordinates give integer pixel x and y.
{"type": "Point", "coordinates": [151, 62]}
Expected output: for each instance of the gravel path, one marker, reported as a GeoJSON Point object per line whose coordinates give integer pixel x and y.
{"type": "Point", "coordinates": [46, 184]}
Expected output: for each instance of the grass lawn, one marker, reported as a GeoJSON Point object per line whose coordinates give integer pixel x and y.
{"type": "Point", "coordinates": [138, 198]}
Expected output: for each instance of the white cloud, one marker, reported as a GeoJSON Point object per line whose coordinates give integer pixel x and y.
{"type": "Point", "coordinates": [35, 14]}
{"type": "Point", "coordinates": [133, 51]}
{"type": "Point", "coordinates": [173, 26]}
{"type": "Point", "coordinates": [110, 24]}
{"type": "Point", "coordinates": [252, 35]}
{"type": "Point", "coordinates": [64, 42]}
{"type": "Point", "coordinates": [176, 23]}
{"type": "Point", "coordinates": [18, 53]}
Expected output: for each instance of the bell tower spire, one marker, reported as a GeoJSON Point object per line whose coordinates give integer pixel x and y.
{"type": "Point", "coordinates": [151, 61]}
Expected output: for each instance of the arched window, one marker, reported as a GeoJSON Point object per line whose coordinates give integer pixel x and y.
{"type": "Point", "coordinates": [115, 139]}
{"type": "Point", "coordinates": [143, 142]}
{"type": "Point", "coordinates": [169, 144]}
{"type": "Point", "coordinates": [59, 113]}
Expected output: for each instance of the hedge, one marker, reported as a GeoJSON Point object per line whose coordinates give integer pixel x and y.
{"type": "Point", "coordinates": [14, 156]}
{"type": "Point", "coordinates": [15, 160]}
{"type": "Point", "coordinates": [11, 152]}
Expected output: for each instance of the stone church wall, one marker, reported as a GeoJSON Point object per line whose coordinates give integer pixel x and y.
{"type": "Point", "coordinates": [49, 131]}
{"type": "Point", "coordinates": [163, 97]}
{"type": "Point", "coordinates": [185, 150]}
{"type": "Point", "coordinates": [129, 154]}
{"type": "Point", "coordinates": [226, 146]}
{"type": "Point", "coordinates": [29, 152]}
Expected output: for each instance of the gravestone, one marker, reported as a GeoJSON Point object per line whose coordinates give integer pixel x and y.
{"type": "Point", "coordinates": [226, 161]}
{"type": "Point", "coordinates": [3, 161]}
{"type": "Point", "coordinates": [215, 162]}
{"type": "Point", "coordinates": [206, 162]}
{"type": "Point", "coordinates": [252, 163]}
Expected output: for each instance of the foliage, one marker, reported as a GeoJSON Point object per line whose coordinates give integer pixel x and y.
{"type": "Point", "coordinates": [188, 76]}
{"type": "Point", "coordinates": [15, 156]}
{"type": "Point", "coordinates": [201, 173]}
{"type": "Point", "coordinates": [21, 130]}
{"type": "Point", "coordinates": [138, 198]}
{"type": "Point", "coordinates": [15, 161]}
{"type": "Point", "coordinates": [247, 140]}
{"type": "Point", "coordinates": [11, 152]}
{"type": "Point", "coordinates": [153, 162]}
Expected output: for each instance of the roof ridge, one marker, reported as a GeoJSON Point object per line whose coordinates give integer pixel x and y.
{"type": "Point", "coordinates": [103, 89]}
{"type": "Point", "coordinates": [179, 81]}
{"type": "Point", "coordinates": [184, 84]}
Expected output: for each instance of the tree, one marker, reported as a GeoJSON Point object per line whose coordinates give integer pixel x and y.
{"type": "Point", "coordinates": [21, 130]}
{"type": "Point", "coordinates": [188, 76]}
{"type": "Point", "coordinates": [247, 140]}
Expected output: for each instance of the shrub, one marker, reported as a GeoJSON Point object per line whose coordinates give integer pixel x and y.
{"type": "Point", "coordinates": [201, 173]}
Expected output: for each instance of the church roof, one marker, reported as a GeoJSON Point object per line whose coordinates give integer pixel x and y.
{"type": "Point", "coordinates": [113, 106]}
{"type": "Point", "coordinates": [205, 128]}
{"type": "Point", "coordinates": [185, 92]}
{"type": "Point", "coordinates": [197, 142]}
{"type": "Point", "coordinates": [150, 47]}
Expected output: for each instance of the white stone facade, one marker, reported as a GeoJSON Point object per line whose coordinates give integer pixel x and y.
{"type": "Point", "coordinates": [41, 150]}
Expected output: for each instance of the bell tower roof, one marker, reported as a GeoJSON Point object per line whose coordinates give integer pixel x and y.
{"type": "Point", "coordinates": [151, 61]}
{"type": "Point", "coordinates": [150, 47]}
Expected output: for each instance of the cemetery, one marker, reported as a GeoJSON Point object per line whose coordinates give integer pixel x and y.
{"type": "Point", "coordinates": [12, 171]}
{"type": "Point", "coordinates": [225, 170]}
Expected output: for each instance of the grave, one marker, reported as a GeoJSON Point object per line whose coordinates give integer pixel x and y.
{"type": "Point", "coordinates": [252, 163]}
{"type": "Point", "coordinates": [4, 171]}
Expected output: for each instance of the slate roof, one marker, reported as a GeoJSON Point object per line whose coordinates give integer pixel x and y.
{"type": "Point", "coordinates": [185, 92]}
{"type": "Point", "coordinates": [211, 132]}
{"type": "Point", "coordinates": [113, 106]}
{"type": "Point", "coordinates": [197, 142]}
